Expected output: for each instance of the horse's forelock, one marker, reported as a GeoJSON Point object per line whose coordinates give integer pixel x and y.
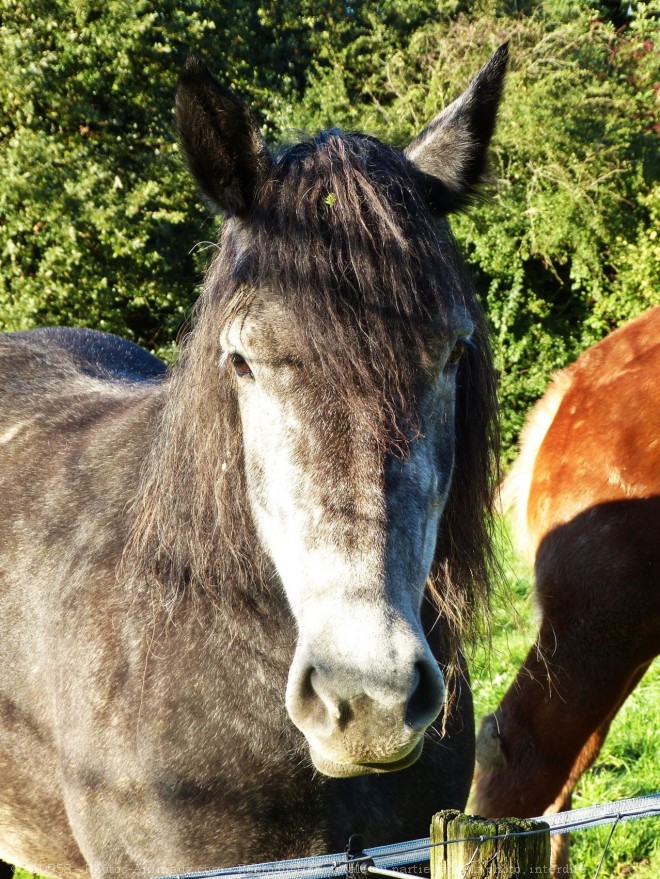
{"type": "Point", "coordinates": [341, 235]}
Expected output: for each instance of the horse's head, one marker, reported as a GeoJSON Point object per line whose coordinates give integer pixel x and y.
{"type": "Point", "coordinates": [356, 353]}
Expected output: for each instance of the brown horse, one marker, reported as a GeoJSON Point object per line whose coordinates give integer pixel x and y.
{"type": "Point", "coordinates": [586, 490]}
{"type": "Point", "coordinates": [232, 595]}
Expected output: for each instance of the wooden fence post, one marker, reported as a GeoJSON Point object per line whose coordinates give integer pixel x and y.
{"type": "Point", "coordinates": [502, 857]}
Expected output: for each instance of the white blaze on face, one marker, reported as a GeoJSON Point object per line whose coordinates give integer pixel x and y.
{"type": "Point", "coordinates": [352, 537]}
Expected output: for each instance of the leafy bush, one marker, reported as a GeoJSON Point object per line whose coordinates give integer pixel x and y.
{"type": "Point", "coordinates": [97, 215]}
{"type": "Point", "coordinates": [94, 205]}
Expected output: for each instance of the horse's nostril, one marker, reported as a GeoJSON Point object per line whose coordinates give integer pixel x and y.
{"type": "Point", "coordinates": [326, 704]}
{"type": "Point", "coordinates": [345, 715]}
{"type": "Point", "coordinates": [427, 697]}
{"type": "Point", "coordinates": [313, 701]}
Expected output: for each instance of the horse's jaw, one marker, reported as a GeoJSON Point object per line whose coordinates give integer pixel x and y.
{"type": "Point", "coordinates": [335, 769]}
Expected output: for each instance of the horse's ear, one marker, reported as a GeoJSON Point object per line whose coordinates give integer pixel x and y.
{"type": "Point", "coordinates": [451, 151]}
{"type": "Point", "coordinates": [489, 746]}
{"type": "Point", "coordinates": [221, 141]}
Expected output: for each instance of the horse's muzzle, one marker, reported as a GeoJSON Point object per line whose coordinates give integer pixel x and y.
{"type": "Point", "coordinates": [363, 723]}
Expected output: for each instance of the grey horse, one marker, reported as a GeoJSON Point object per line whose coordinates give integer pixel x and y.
{"type": "Point", "coordinates": [232, 595]}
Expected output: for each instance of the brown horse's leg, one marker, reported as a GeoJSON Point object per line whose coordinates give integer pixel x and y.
{"type": "Point", "coordinates": [551, 723]}
{"type": "Point", "coordinates": [586, 758]}
{"type": "Point", "coordinates": [550, 727]}
{"type": "Point", "coordinates": [559, 844]}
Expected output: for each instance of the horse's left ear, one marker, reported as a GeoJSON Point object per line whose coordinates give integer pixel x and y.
{"type": "Point", "coordinates": [451, 151]}
{"type": "Point", "coordinates": [221, 140]}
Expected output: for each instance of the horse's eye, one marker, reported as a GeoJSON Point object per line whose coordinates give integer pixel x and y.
{"type": "Point", "coordinates": [241, 366]}
{"type": "Point", "coordinates": [457, 351]}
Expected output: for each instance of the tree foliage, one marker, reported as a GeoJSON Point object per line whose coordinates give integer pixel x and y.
{"type": "Point", "coordinates": [98, 218]}
{"type": "Point", "coordinates": [97, 215]}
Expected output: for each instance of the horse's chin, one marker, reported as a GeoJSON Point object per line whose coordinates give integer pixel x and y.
{"type": "Point", "coordinates": [352, 769]}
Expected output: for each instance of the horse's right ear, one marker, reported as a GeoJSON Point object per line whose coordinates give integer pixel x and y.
{"type": "Point", "coordinates": [222, 143]}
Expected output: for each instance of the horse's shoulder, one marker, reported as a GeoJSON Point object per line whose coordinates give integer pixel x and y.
{"type": "Point", "coordinates": [602, 443]}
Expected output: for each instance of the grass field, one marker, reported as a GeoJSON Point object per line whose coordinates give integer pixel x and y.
{"type": "Point", "coordinates": [629, 763]}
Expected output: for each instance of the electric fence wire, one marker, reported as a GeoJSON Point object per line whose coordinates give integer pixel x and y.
{"type": "Point", "coordinates": [415, 851]}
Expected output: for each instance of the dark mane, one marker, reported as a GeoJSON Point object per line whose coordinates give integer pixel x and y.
{"type": "Point", "coordinates": [341, 234]}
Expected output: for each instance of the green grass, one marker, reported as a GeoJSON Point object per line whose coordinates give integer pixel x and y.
{"type": "Point", "coordinates": [629, 763]}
